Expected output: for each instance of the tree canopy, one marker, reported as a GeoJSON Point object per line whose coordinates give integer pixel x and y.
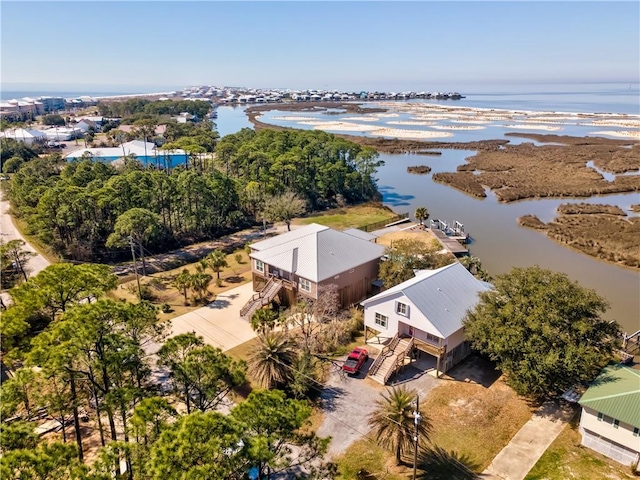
{"type": "Point", "coordinates": [74, 206]}
{"type": "Point", "coordinates": [544, 330]}
{"type": "Point", "coordinates": [406, 255]}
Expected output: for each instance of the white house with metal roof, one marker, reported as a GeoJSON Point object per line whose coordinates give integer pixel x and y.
{"type": "Point", "coordinates": [610, 420]}
{"type": "Point", "coordinates": [425, 312]}
{"type": "Point", "coordinates": [145, 152]}
{"type": "Point", "coordinates": [301, 262]}
{"type": "Point", "coordinates": [26, 135]}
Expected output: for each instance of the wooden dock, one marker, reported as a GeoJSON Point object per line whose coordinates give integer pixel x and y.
{"type": "Point", "coordinates": [451, 244]}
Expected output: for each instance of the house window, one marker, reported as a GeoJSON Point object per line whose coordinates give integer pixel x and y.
{"type": "Point", "coordinates": [381, 320]}
{"type": "Point", "coordinates": [305, 285]}
{"type": "Point", "coordinates": [636, 432]}
{"type": "Point", "coordinates": [616, 423]}
{"type": "Point", "coordinates": [402, 309]}
{"type": "Point", "coordinates": [600, 416]}
{"type": "Point", "coordinates": [260, 266]}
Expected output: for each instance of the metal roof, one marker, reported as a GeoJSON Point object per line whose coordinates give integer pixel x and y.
{"type": "Point", "coordinates": [615, 393]}
{"type": "Point", "coordinates": [360, 234]}
{"type": "Point", "coordinates": [316, 252]}
{"type": "Point", "coordinates": [443, 295]}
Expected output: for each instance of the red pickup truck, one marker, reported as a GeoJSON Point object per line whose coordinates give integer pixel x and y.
{"type": "Point", "coordinates": [355, 360]}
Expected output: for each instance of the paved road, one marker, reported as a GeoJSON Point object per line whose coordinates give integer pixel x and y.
{"type": "Point", "coordinates": [9, 232]}
{"type": "Point", "coordinates": [527, 446]}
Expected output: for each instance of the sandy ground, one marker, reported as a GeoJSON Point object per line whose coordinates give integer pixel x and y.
{"type": "Point", "coordinates": [547, 128]}
{"type": "Point", "coordinates": [403, 133]}
{"type": "Point", "coordinates": [349, 400]}
{"type": "Point", "coordinates": [409, 122]}
{"type": "Point", "coordinates": [619, 133]}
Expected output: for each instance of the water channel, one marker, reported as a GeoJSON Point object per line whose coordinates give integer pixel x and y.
{"type": "Point", "coordinates": [498, 240]}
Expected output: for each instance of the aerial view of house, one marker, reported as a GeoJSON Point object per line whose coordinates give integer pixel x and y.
{"type": "Point", "coordinates": [425, 312]}
{"type": "Point", "coordinates": [302, 262]}
{"type": "Point", "coordinates": [610, 421]}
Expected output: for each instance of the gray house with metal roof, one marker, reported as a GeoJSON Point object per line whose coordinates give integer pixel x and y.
{"type": "Point", "coordinates": [425, 313]}
{"type": "Point", "coordinates": [610, 420]}
{"type": "Point", "coordinates": [299, 263]}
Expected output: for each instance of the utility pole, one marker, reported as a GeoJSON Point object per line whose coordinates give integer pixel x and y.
{"type": "Point", "coordinates": [416, 421]}
{"type": "Point", "coordinates": [135, 266]}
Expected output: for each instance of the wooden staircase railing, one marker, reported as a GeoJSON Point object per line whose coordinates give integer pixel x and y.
{"type": "Point", "coordinates": [387, 350]}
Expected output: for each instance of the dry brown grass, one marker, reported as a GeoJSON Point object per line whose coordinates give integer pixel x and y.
{"type": "Point", "coordinates": [161, 285]}
{"type": "Point", "coordinates": [474, 421]}
{"type": "Point", "coordinates": [527, 171]}
{"type": "Point", "coordinates": [419, 169]}
{"type": "Point", "coordinates": [589, 208]}
{"type": "Point", "coordinates": [464, 181]}
{"type": "Point", "coordinates": [607, 236]}
{"type": "Point", "coordinates": [421, 234]}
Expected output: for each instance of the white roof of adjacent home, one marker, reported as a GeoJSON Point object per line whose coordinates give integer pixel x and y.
{"type": "Point", "coordinates": [20, 133]}
{"type": "Point", "coordinates": [443, 295]}
{"type": "Point", "coordinates": [316, 252]}
{"type": "Point", "coordinates": [135, 147]}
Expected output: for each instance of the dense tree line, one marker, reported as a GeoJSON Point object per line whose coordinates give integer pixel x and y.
{"type": "Point", "coordinates": [87, 359]}
{"type": "Point", "coordinates": [76, 207]}
{"type": "Point", "coordinates": [134, 106]}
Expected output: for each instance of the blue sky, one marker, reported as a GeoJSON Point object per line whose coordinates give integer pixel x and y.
{"type": "Point", "coordinates": [355, 45]}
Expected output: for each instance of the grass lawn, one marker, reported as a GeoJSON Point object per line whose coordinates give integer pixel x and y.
{"type": "Point", "coordinates": [424, 236]}
{"type": "Point", "coordinates": [160, 285]}
{"type": "Point", "coordinates": [566, 458]}
{"type": "Point", "coordinates": [473, 422]}
{"type": "Point", "coordinates": [349, 217]}
{"type": "Point", "coordinates": [365, 455]}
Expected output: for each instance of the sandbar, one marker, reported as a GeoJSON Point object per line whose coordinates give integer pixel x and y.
{"type": "Point", "coordinates": [409, 122]}
{"type": "Point", "coordinates": [459, 127]}
{"type": "Point", "coordinates": [619, 133]}
{"type": "Point", "coordinates": [401, 133]}
{"type": "Point", "coordinates": [548, 128]}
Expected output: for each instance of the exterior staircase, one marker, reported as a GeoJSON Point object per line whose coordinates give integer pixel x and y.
{"type": "Point", "coordinates": [390, 359]}
{"type": "Point", "coordinates": [262, 298]}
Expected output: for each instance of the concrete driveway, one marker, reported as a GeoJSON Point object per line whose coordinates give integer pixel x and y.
{"type": "Point", "coordinates": [349, 400]}
{"type": "Point", "coordinates": [219, 323]}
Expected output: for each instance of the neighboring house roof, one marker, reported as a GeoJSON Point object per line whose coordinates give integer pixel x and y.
{"type": "Point", "coordinates": [135, 147]}
{"type": "Point", "coordinates": [615, 393]}
{"type": "Point", "coordinates": [316, 252]}
{"type": "Point", "coordinates": [443, 295]}
{"type": "Point", "coordinates": [20, 133]}
{"type": "Point", "coordinates": [360, 234]}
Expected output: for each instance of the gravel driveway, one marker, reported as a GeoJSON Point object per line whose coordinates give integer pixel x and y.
{"type": "Point", "coordinates": [349, 400]}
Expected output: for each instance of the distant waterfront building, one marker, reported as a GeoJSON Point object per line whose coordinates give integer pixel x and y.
{"type": "Point", "coordinates": [24, 109]}
{"type": "Point", "coordinates": [145, 152]}
{"type": "Point", "coordinates": [52, 104]}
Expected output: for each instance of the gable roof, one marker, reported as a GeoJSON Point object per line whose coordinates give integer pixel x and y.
{"type": "Point", "coordinates": [316, 252]}
{"type": "Point", "coordinates": [615, 393]}
{"type": "Point", "coordinates": [443, 295]}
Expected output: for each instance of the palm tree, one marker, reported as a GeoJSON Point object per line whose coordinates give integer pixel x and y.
{"type": "Point", "coordinates": [264, 320]}
{"type": "Point", "coordinates": [393, 421]}
{"type": "Point", "coordinates": [217, 260]}
{"type": "Point", "coordinates": [421, 214]}
{"type": "Point", "coordinates": [183, 282]}
{"type": "Point", "coordinates": [272, 362]}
